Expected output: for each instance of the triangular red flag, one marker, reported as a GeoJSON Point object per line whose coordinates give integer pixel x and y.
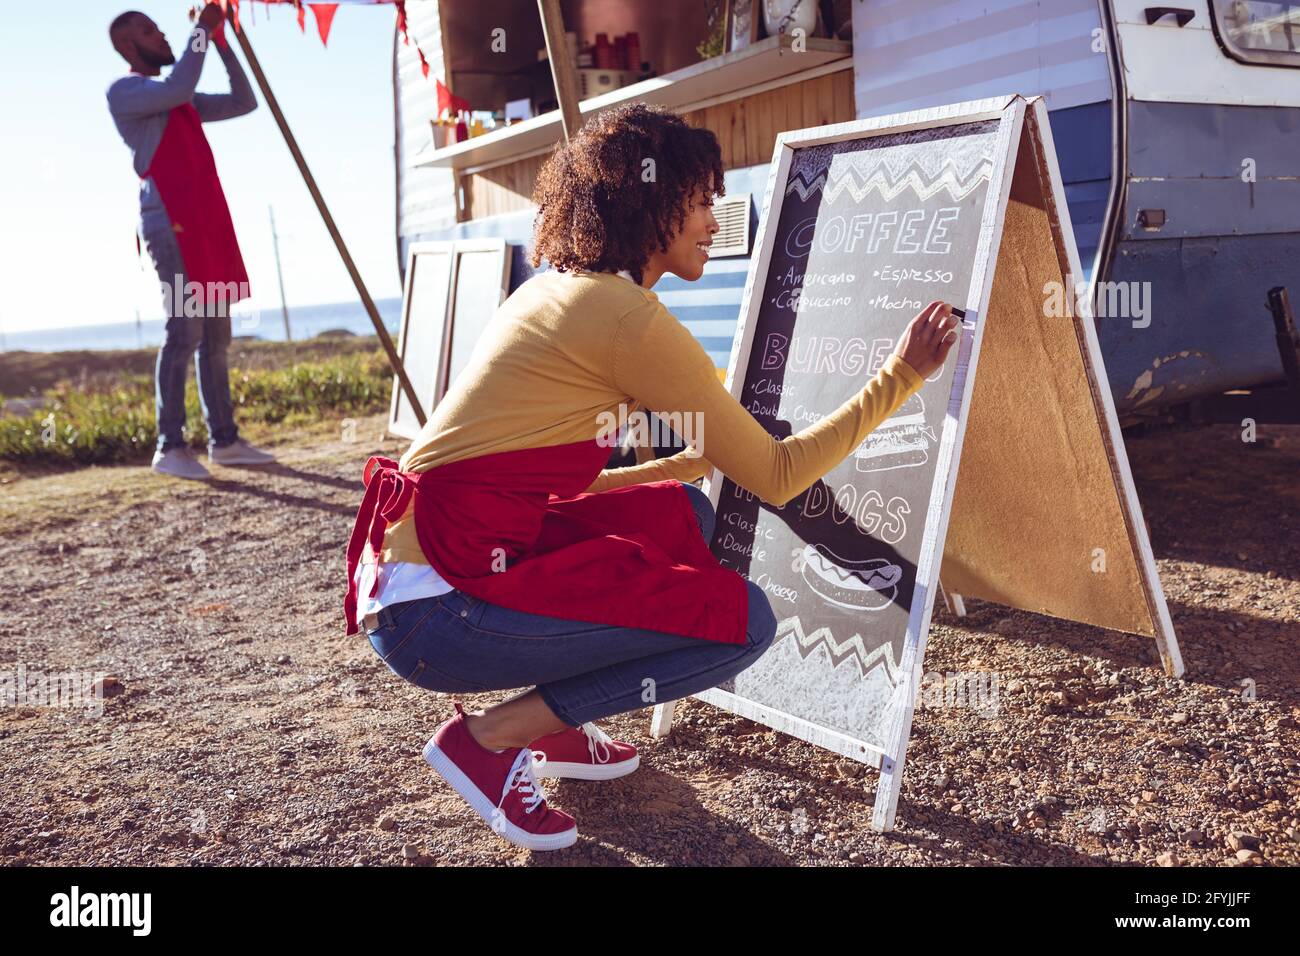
{"type": "Point", "coordinates": [324, 18]}
{"type": "Point", "coordinates": [401, 21]}
{"type": "Point", "coordinates": [448, 100]}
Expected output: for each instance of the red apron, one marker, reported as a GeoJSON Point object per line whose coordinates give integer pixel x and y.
{"type": "Point", "coordinates": [186, 176]}
{"type": "Point", "coordinates": [515, 529]}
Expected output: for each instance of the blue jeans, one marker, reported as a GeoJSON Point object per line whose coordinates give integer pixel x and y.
{"type": "Point", "coordinates": [458, 644]}
{"type": "Point", "coordinates": [210, 336]}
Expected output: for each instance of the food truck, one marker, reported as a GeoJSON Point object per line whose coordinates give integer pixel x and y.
{"type": "Point", "coordinates": [1177, 130]}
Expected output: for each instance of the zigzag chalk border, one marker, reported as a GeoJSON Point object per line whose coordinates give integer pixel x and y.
{"type": "Point", "coordinates": [840, 651]}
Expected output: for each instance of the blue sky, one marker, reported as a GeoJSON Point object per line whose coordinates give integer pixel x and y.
{"type": "Point", "coordinates": [68, 194]}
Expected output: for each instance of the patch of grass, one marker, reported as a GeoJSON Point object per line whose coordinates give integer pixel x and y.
{"type": "Point", "coordinates": [114, 421]}
{"type": "Point", "coordinates": [24, 374]}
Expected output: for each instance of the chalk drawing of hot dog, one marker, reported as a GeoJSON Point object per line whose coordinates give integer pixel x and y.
{"type": "Point", "coordinates": [865, 585]}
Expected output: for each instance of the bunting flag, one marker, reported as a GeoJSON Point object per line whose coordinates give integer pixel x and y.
{"type": "Point", "coordinates": [406, 38]}
{"type": "Point", "coordinates": [449, 101]}
{"type": "Point", "coordinates": [324, 14]}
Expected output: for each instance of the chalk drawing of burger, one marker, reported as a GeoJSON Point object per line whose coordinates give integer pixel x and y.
{"type": "Point", "coordinates": [902, 440]}
{"type": "Point", "coordinates": [865, 585]}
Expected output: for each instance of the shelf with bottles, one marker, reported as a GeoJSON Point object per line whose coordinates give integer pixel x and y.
{"type": "Point", "coordinates": [767, 62]}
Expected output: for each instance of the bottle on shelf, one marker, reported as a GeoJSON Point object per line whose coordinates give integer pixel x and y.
{"type": "Point", "coordinates": [633, 51]}
{"type": "Point", "coordinates": [604, 53]}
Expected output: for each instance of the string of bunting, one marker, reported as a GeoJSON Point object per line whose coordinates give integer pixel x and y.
{"type": "Point", "coordinates": [324, 15]}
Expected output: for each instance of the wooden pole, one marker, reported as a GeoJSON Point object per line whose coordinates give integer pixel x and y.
{"type": "Point", "coordinates": [384, 338]}
{"type": "Point", "coordinates": [557, 51]}
{"type": "Point", "coordinates": [279, 273]}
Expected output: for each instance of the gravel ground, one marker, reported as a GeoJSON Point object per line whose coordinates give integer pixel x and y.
{"type": "Point", "coordinates": [242, 727]}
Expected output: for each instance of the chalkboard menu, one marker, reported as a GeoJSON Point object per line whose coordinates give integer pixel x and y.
{"type": "Point", "coordinates": [864, 224]}
{"type": "Point", "coordinates": [867, 233]}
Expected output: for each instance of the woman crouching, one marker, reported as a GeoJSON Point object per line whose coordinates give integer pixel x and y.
{"type": "Point", "coordinates": [500, 553]}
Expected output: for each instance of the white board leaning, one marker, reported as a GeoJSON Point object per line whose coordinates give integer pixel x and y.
{"type": "Point", "coordinates": [451, 287]}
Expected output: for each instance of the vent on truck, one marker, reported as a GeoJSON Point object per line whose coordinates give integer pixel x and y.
{"type": "Point", "coordinates": [732, 213]}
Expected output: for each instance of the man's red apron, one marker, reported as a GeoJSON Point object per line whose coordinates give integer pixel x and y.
{"type": "Point", "coordinates": [514, 529]}
{"type": "Point", "coordinates": [186, 176]}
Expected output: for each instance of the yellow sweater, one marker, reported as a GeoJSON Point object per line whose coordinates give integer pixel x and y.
{"type": "Point", "coordinates": [567, 349]}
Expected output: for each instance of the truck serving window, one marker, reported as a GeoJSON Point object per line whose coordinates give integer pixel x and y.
{"type": "Point", "coordinates": [1259, 31]}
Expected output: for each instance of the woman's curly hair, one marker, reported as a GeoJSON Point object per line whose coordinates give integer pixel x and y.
{"type": "Point", "coordinates": [602, 207]}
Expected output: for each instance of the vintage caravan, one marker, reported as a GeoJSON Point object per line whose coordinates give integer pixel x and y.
{"type": "Point", "coordinates": [1177, 130]}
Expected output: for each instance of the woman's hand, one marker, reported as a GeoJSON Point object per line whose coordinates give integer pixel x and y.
{"type": "Point", "coordinates": [925, 342]}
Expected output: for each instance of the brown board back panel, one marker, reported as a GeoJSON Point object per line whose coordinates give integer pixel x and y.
{"type": "Point", "coordinates": [1036, 495]}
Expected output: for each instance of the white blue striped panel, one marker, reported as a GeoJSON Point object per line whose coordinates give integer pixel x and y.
{"type": "Point", "coordinates": [710, 306]}
{"type": "Point", "coordinates": [908, 56]}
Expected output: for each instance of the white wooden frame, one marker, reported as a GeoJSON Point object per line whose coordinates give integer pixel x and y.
{"type": "Point", "coordinates": [415, 250]}
{"type": "Point", "coordinates": [463, 246]}
{"type": "Point", "coordinates": [453, 249]}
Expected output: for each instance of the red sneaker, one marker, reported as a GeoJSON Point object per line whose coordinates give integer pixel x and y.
{"type": "Point", "coordinates": [500, 787]}
{"type": "Point", "coordinates": [583, 753]}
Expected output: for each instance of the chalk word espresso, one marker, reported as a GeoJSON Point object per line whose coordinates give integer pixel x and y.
{"type": "Point", "coordinates": [632, 428]}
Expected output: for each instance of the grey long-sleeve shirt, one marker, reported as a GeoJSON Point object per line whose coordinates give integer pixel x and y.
{"type": "Point", "coordinates": [140, 105]}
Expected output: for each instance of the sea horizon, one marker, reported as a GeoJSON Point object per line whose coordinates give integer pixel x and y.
{"type": "Point", "coordinates": [305, 322]}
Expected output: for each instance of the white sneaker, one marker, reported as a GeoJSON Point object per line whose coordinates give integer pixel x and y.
{"type": "Point", "coordinates": [239, 452]}
{"type": "Point", "coordinates": [179, 463]}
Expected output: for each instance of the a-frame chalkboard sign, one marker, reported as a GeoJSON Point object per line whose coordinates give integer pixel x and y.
{"type": "Point", "coordinates": [1005, 475]}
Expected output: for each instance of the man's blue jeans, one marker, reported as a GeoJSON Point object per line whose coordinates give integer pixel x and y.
{"type": "Point", "coordinates": [207, 339]}
{"type": "Point", "coordinates": [459, 644]}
